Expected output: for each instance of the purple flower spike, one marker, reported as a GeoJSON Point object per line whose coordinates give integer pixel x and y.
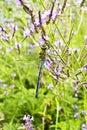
{"type": "Point", "coordinates": [28, 122]}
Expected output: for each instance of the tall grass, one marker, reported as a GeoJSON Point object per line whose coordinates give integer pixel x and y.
{"type": "Point", "coordinates": [25, 27]}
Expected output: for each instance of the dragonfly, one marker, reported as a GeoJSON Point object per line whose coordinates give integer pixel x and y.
{"type": "Point", "coordinates": [43, 58]}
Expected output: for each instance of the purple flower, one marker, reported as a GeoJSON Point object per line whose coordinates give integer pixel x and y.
{"type": "Point", "coordinates": [28, 122]}
{"type": "Point", "coordinates": [83, 112]}
{"type": "Point", "coordinates": [27, 33]}
{"type": "Point", "coordinates": [59, 43]}
{"type": "Point", "coordinates": [58, 72]}
{"type": "Point", "coordinates": [76, 115]}
{"type": "Point", "coordinates": [76, 50]}
{"type": "Point", "coordinates": [17, 45]}
{"type": "Point", "coordinates": [85, 84]}
{"type": "Point", "coordinates": [48, 64]}
{"type": "Point", "coordinates": [19, 1]}
{"type": "Point", "coordinates": [50, 86]}
{"type": "Point", "coordinates": [12, 87]}
{"type": "Point", "coordinates": [84, 68]}
{"type": "Point", "coordinates": [75, 107]}
{"type": "Point", "coordinates": [30, 127]}
{"type": "Point", "coordinates": [5, 36]}
{"type": "Point", "coordinates": [84, 127]}
{"type": "Point", "coordinates": [78, 2]}
{"type": "Point", "coordinates": [41, 41]}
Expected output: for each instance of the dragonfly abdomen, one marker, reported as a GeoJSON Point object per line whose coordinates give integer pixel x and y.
{"type": "Point", "coordinates": [39, 78]}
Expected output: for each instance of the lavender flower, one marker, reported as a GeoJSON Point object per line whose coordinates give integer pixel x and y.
{"type": "Point", "coordinates": [76, 50]}
{"type": "Point", "coordinates": [27, 33]}
{"type": "Point", "coordinates": [85, 84]}
{"type": "Point", "coordinates": [48, 64]}
{"type": "Point", "coordinates": [12, 87]}
{"type": "Point", "coordinates": [83, 112]}
{"type": "Point", "coordinates": [75, 107]}
{"type": "Point", "coordinates": [76, 115]}
{"type": "Point", "coordinates": [17, 45]}
{"type": "Point", "coordinates": [28, 122]}
{"type": "Point", "coordinates": [19, 1]}
{"type": "Point", "coordinates": [84, 127]}
{"type": "Point", "coordinates": [59, 43]}
{"type": "Point", "coordinates": [50, 86]}
{"type": "Point", "coordinates": [85, 68]}
{"type": "Point", "coordinates": [78, 2]}
{"type": "Point", "coordinates": [41, 41]}
{"type": "Point", "coordinates": [5, 36]}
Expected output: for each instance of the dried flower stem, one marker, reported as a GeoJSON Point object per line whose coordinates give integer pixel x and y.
{"type": "Point", "coordinates": [51, 12]}
{"type": "Point", "coordinates": [63, 7]}
{"type": "Point", "coordinates": [82, 3]}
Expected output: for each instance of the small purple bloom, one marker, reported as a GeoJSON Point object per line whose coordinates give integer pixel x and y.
{"type": "Point", "coordinates": [12, 87]}
{"type": "Point", "coordinates": [28, 122]}
{"type": "Point", "coordinates": [19, 1]}
{"type": "Point", "coordinates": [75, 107]}
{"type": "Point", "coordinates": [50, 86]}
{"type": "Point", "coordinates": [76, 115]}
{"type": "Point", "coordinates": [78, 2]}
{"type": "Point", "coordinates": [41, 41]}
{"type": "Point", "coordinates": [76, 50]}
{"type": "Point", "coordinates": [48, 64]}
{"type": "Point", "coordinates": [84, 68]}
{"type": "Point", "coordinates": [85, 84]}
{"type": "Point", "coordinates": [84, 127]}
{"type": "Point", "coordinates": [58, 72]}
{"type": "Point", "coordinates": [5, 36]}
{"type": "Point", "coordinates": [83, 112]}
{"type": "Point", "coordinates": [59, 43]}
{"type": "Point", "coordinates": [27, 33]}
{"type": "Point", "coordinates": [17, 45]}
{"type": "Point", "coordinates": [30, 127]}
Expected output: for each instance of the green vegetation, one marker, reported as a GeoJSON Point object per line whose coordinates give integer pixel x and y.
{"type": "Point", "coordinates": [26, 27]}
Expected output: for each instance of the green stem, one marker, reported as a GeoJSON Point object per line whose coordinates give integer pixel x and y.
{"type": "Point", "coordinates": [43, 119]}
{"type": "Point", "coordinates": [57, 113]}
